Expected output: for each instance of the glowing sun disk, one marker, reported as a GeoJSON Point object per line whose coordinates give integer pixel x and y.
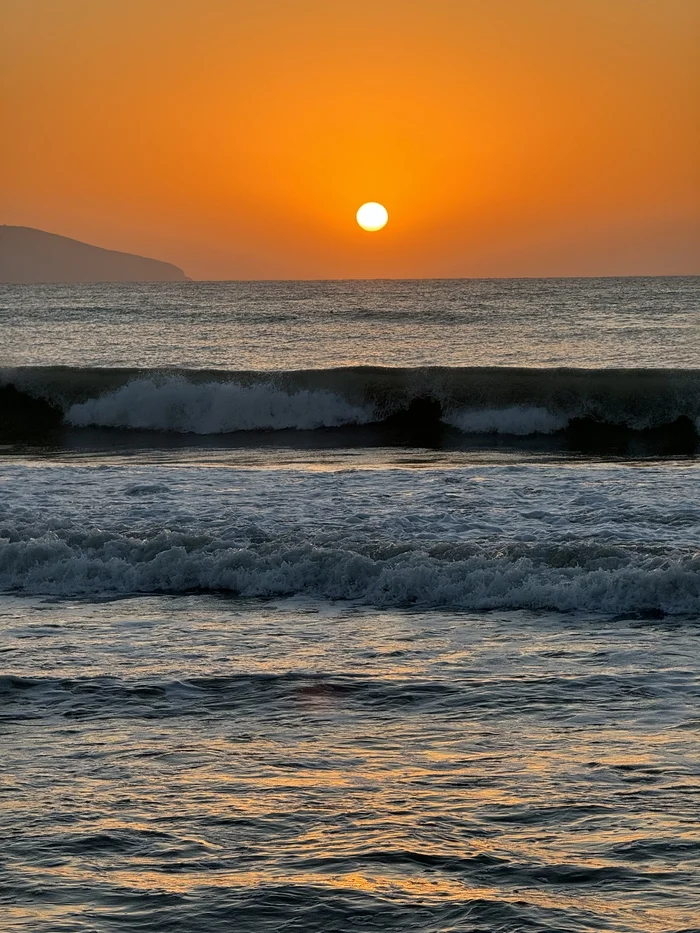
{"type": "Point", "coordinates": [372, 216]}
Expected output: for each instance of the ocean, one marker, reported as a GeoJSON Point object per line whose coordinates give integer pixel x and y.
{"type": "Point", "coordinates": [350, 606]}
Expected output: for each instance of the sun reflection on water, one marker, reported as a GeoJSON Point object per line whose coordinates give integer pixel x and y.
{"type": "Point", "coordinates": [433, 767]}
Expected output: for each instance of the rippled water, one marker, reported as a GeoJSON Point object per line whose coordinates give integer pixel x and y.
{"type": "Point", "coordinates": [190, 764]}
{"type": "Point", "coordinates": [292, 325]}
{"type": "Point", "coordinates": [362, 677]}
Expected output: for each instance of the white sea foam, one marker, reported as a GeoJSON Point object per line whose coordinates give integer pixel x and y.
{"type": "Point", "coordinates": [534, 577]}
{"type": "Point", "coordinates": [175, 404]}
{"type": "Point", "coordinates": [520, 420]}
{"type": "Point", "coordinates": [483, 401]}
{"type": "Point", "coordinates": [612, 539]}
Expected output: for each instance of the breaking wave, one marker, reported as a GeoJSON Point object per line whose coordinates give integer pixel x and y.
{"type": "Point", "coordinates": [472, 400]}
{"type": "Point", "coordinates": [174, 404]}
{"type": "Point", "coordinates": [518, 421]}
{"type": "Point", "coordinates": [565, 576]}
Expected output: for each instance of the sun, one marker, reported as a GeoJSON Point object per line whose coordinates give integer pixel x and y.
{"type": "Point", "coordinates": [372, 216]}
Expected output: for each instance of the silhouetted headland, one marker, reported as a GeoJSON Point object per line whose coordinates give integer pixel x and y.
{"type": "Point", "coordinates": [34, 256]}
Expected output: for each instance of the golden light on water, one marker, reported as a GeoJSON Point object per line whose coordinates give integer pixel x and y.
{"type": "Point", "coordinates": [372, 216]}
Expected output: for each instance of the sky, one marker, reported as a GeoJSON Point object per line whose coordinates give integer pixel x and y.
{"type": "Point", "coordinates": [237, 138]}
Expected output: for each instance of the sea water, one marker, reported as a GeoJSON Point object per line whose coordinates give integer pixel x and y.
{"type": "Point", "coordinates": [350, 606]}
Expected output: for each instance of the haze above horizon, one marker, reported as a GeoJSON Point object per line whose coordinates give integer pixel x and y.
{"type": "Point", "coordinates": [238, 140]}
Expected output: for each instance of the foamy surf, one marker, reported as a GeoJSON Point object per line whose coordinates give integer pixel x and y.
{"type": "Point", "coordinates": [564, 577]}
{"type": "Point", "coordinates": [516, 402]}
{"type": "Point", "coordinates": [517, 421]}
{"type": "Point", "coordinates": [467, 538]}
{"type": "Point", "coordinates": [175, 404]}
{"type": "Point", "coordinates": [122, 567]}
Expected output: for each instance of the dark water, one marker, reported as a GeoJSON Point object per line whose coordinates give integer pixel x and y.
{"type": "Point", "coordinates": [350, 606]}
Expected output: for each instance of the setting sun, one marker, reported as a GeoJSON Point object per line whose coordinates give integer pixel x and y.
{"type": "Point", "coordinates": [372, 216]}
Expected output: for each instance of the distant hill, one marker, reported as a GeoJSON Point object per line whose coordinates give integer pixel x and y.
{"type": "Point", "coordinates": [31, 256]}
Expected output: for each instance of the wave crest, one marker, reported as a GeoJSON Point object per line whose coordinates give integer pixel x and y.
{"type": "Point", "coordinates": [563, 576]}
{"type": "Point", "coordinates": [175, 404]}
{"type": "Point", "coordinates": [473, 400]}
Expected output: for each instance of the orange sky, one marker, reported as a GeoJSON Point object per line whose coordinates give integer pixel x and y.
{"type": "Point", "coordinates": [237, 138]}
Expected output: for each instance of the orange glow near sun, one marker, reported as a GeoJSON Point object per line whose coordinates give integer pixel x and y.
{"type": "Point", "coordinates": [514, 138]}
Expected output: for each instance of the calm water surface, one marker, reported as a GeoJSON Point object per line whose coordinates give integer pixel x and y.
{"type": "Point", "coordinates": [290, 325]}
